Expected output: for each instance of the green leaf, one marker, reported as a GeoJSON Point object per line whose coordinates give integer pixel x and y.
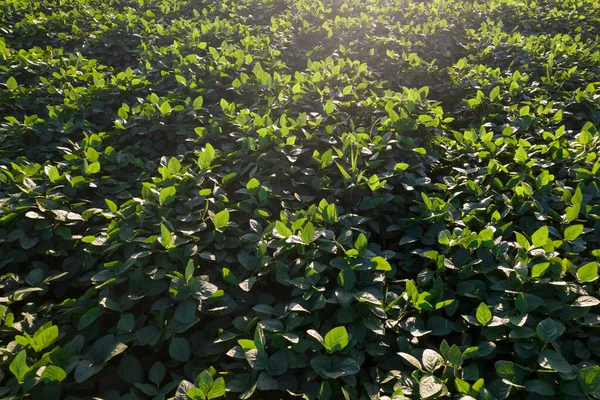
{"type": "Point", "coordinates": [521, 156]}
{"type": "Point", "coordinates": [198, 102]}
{"type": "Point", "coordinates": [539, 386]}
{"type": "Point", "coordinates": [432, 360]}
{"type": "Point", "coordinates": [507, 370]}
{"type": "Point", "coordinates": [12, 84]}
{"type": "Point", "coordinates": [522, 241]}
{"type": "Point", "coordinates": [588, 272]}
{"type": "Point", "coordinates": [165, 108]}
{"type": "Point", "coordinates": [204, 381]}
{"type": "Point", "coordinates": [430, 386]}
{"type": "Point", "coordinates": [53, 174]}
{"type": "Point", "coordinates": [111, 205]}
{"type": "Point", "coordinates": [186, 312]}
{"type": "Point", "coordinates": [329, 106]}
{"type": "Point", "coordinates": [455, 356]}
{"type": "Point", "coordinates": [157, 373]}
{"type": "Point", "coordinates": [412, 360]}
{"type": "Point", "coordinates": [572, 232]}
{"type": "Point", "coordinates": [88, 318]}
{"type": "Point", "coordinates": [401, 167]}
{"type": "Point", "coordinates": [589, 379]}
{"type": "Point", "coordinates": [282, 229]}
{"type": "Point", "coordinates": [130, 369]}
{"type": "Point", "coordinates": [52, 373]}
{"type": "Point", "coordinates": [253, 185]}
{"type": "Point", "coordinates": [361, 242]}
{"type": "Point", "coordinates": [483, 314]}
{"type": "Point", "coordinates": [495, 93]}
{"type": "Point", "coordinates": [92, 168]}
{"type": "Point", "coordinates": [179, 349]}
{"type": "Point", "coordinates": [221, 219]}
{"type": "Point", "coordinates": [551, 359]}
{"type": "Point", "coordinates": [462, 386]}
{"type": "Point", "coordinates": [540, 237]}
{"type": "Point", "coordinates": [126, 323]}
{"type": "Point", "coordinates": [165, 236]}
{"type": "Point", "coordinates": [174, 166]}
{"type": "Point", "coordinates": [44, 337]}
{"type": "Point", "coordinates": [167, 195]}
{"type": "Point", "coordinates": [18, 366]}
{"type": "Point", "coordinates": [347, 278]}
{"type": "Point", "coordinates": [336, 339]}
{"type": "Point", "coordinates": [307, 233]}
{"type": "Point", "coordinates": [278, 363]}
{"type": "Point", "coordinates": [381, 264]}
{"type": "Point", "coordinates": [571, 213]}
{"type": "Point", "coordinates": [549, 330]}
{"type": "Point", "coordinates": [194, 394]}
{"type": "Point", "coordinates": [217, 389]}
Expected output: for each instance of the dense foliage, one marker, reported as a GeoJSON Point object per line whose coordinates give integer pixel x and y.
{"type": "Point", "coordinates": [262, 199]}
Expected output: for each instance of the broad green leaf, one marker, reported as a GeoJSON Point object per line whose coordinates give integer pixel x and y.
{"type": "Point", "coordinates": [165, 236]}
{"type": "Point", "coordinates": [549, 330]}
{"type": "Point", "coordinates": [217, 389]}
{"type": "Point", "coordinates": [588, 272]}
{"type": "Point", "coordinates": [347, 278]}
{"type": "Point", "coordinates": [308, 232]}
{"type": "Point", "coordinates": [507, 370]}
{"type": "Point", "coordinates": [221, 219]}
{"type": "Point", "coordinates": [572, 212]}
{"type": "Point", "coordinates": [495, 93]}
{"type": "Point", "coordinates": [522, 241]}
{"type": "Point", "coordinates": [361, 242]}
{"type": "Point", "coordinates": [157, 373]}
{"type": "Point", "coordinates": [432, 360]}
{"type": "Point", "coordinates": [130, 369]}
{"type": "Point", "coordinates": [483, 314]}
{"type": "Point", "coordinates": [282, 229]}
{"type": "Point", "coordinates": [278, 363]}
{"type": "Point", "coordinates": [18, 366]}
{"type": "Point", "coordinates": [430, 386]}
{"type": "Point", "coordinates": [44, 337]}
{"type": "Point", "coordinates": [194, 394]}
{"type": "Point", "coordinates": [539, 386]}
{"type": "Point", "coordinates": [521, 156]}
{"type": "Point", "coordinates": [336, 339]}
{"type": "Point", "coordinates": [167, 195]}
{"type": "Point", "coordinates": [381, 264]}
{"type": "Point", "coordinates": [551, 359]}
{"type": "Point", "coordinates": [253, 185]}
{"type": "Point", "coordinates": [174, 166]}
{"type": "Point", "coordinates": [411, 360]}
{"type": "Point", "coordinates": [198, 102]}
{"type": "Point", "coordinates": [52, 373]}
{"type": "Point", "coordinates": [204, 381]}
{"type": "Point", "coordinates": [179, 349]}
{"type": "Point", "coordinates": [585, 301]}
{"type": "Point", "coordinates": [462, 386]}
{"type": "Point", "coordinates": [540, 237]}
{"type": "Point", "coordinates": [165, 108]}
{"type": "Point", "coordinates": [455, 356]}
{"type": "Point", "coordinates": [111, 205]}
{"type": "Point", "coordinates": [92, 168]}
{"type": "Point", "coordinates": [329, 106]}
{"type": "Point", "coordinates": [589, 379]}
{"type": "Point", "coordinates": [88, 318]}
{"type": "Point", "coordinates": [572, 232]}
{"type": "Point", "coordinates": [12, 84]}
{"type": "Point", "coordinates": [401, 167]}
{"type": "Point", "coordinates": [126, 323]}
